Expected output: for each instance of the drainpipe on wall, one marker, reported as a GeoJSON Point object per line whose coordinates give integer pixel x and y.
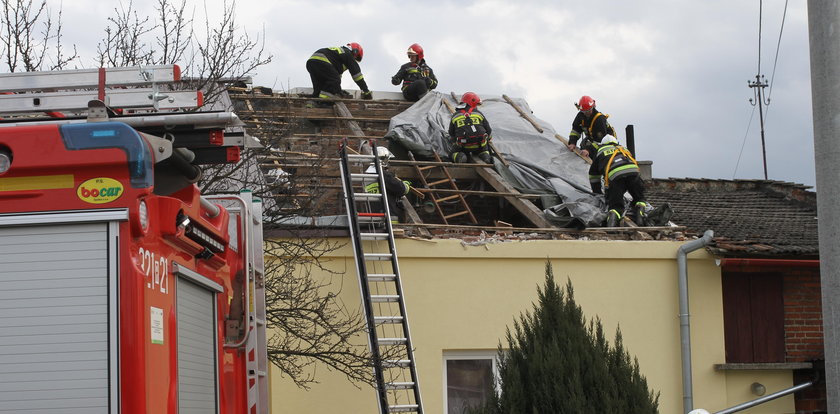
{"type": "Point", "coordinates": [685, 326]}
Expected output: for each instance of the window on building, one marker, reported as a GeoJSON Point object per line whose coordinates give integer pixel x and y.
{"type": "Point", "coordinates": [753, 317]}
{"type": "Point", "coordinates": [468, 379]}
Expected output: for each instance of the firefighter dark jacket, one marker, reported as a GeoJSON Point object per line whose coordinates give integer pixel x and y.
{"type": "Point", "coordinates": [411, 72]}
{"type": "Point", "coordinates": [341, 58]}
{"type": "Point", "coordinates": [611, 162]}
{"type": "Point", "coordinates": [595, 127]}
{"type": "Point", "coordinates": [469, 129]}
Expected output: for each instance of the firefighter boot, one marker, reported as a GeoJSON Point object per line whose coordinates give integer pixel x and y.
{"type": "Point", "coordinates": [485, 156]}
{"type": "Point", "coordinates": [613, 218]}
{"type": "Point", "coordinates": [639, 214]}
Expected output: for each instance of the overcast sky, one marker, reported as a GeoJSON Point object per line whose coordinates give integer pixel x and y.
{"type": "Point", "coordinates": [676, 69]}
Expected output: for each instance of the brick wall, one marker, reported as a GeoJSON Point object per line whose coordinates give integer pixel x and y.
{"type": "Point", "coordinates": [803, 315]}
{"type": "Point", "coordinates": [804, 335]}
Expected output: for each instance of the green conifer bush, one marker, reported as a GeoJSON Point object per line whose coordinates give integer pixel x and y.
{"type": "Point", "coordinates": [557, 362]}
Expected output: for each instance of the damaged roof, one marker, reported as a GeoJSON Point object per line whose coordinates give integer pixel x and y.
{"type": "Point", "coordinates": [750, 218]}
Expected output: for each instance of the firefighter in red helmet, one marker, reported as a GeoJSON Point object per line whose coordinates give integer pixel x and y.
{"type": "Point", "coordinates": [590, 123]}
{"type": "Point", "coordinates": [326, 66]}
{"type": "Point", "coordinates": [416, 76]}
{"type": "Point", "coordinates": [470, 131]}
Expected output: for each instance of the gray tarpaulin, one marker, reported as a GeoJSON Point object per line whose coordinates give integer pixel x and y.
{"type": "Point", "coordinates": [539, 162]}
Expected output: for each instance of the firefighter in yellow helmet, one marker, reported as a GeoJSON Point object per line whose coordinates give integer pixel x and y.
{"type": "Point", "coordinates": [470, 131]}
{"type": "Point", "coordinates": [621, 174]}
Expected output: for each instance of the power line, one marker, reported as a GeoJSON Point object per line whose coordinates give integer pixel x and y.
{"type": "Point", "coordinates": [776, 60]}
{"type": "Point", "coordinates": [759, 85]}
{"type": "Point", "coordinates": [743, 142]}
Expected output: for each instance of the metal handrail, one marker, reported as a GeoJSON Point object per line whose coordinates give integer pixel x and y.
{"type": "Point", "coordinates": [766, 398]}
{"type": "Point", "coordinates": [246, 253]}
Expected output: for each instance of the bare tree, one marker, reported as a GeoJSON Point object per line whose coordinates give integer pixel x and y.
{"type": "Point", "coordinates": [29, 33]}
{"type": "Point", "coordinates": [124, 43]}
{"type": "Point", "coordinates": [225, 51]}
{"type": "Point", "coordinates": [311, 325]}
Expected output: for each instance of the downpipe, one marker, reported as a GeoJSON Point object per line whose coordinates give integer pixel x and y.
{"type": "Point", "coordinates": [685, 326]}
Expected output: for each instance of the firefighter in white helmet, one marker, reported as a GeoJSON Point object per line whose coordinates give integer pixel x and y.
{"type": "Point", "coordinates": [621, 174]}
{"type": "Point", "coordinates": [394, 187]}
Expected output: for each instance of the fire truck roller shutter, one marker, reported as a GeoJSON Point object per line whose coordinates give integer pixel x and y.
{"type": "Point", "coordinates": [54, 318]}
{"type": "Point", "coordinates": [197, 377]}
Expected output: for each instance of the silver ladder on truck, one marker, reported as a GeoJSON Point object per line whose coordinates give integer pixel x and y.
{"type": "Point", "coordinates": [372, 235]}
{"type": "Point", "coordinates": [147, 98]}
{"type": "Point", "coordinates": [248, 213]}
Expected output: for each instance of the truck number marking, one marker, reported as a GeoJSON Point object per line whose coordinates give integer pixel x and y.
{"type": "Point", "coordinates": [155, 269]}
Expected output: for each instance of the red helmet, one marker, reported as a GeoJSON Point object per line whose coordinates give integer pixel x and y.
{"type": "Point", "coordinates": [356, 50]}
{"type": "Point", "coordinates": [471, 99]}
{"type": "Point", "coordinates": [586, 103]}
{"type": "Point", "coordinates": [416, 49]}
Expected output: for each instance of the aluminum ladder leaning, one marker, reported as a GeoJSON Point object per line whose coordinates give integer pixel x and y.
{"type": "Point", "coordinates": [372, 234]}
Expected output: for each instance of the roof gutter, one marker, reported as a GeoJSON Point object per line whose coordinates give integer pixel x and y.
{"type": "Point", "coordinates": [685, 326]}
{"type": "Point", "coordinates": [736, 264]}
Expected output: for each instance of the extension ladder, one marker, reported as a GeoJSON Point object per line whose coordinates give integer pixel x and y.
{"type": "Point", "coordinates": [247, 210]}
{"type": "Point", "coordinates": [109, 94]}
{"type": "Point", "coordinates": [65, 91]}
{"type": "Point", "coordinates": [372, 235]}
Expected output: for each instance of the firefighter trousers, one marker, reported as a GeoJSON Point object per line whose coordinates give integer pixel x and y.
{"type": "Point", "coordinates": [629, 183]}
{"type": "Point", "coordinates": [326, 81]}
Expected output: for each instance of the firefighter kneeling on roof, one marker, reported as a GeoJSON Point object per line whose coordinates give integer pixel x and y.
{"type": "Point", "coordinates": [470, 131]}
{"type": "Point", "coordinates": [621, 174]}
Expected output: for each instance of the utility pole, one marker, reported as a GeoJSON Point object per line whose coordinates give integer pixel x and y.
{"type": "Point", "coordinates": [759, 100]}
{"type": "Point", "coordinates": [823, 21]}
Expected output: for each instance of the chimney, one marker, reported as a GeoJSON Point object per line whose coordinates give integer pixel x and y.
{"type": "Point", "coordinates": [645, 170]}
{"type": "Point", "coordinates": [644, 166]}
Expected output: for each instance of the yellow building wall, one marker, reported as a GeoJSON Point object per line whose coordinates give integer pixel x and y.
{"type": "Point", "coordinates": [463, 298]}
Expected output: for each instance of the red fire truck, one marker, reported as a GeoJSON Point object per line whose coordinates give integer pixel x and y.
{"type": "Point", "coordinates": [122, 288]}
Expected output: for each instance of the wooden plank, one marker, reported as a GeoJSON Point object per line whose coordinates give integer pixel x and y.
{"type": "Point", "coordinates": [527, 208]}
{"type": "Point", "coordinates": [312, 116]}
{"type": "Point", "coordinates": [342, 111]}
{"type": "Point", "coordinates": [539, 128]}
{"type": "Point", "coordinates": [523, 114]}
{"type": "Point", "coordinates": [506, 229]}
{"type": "Point", "coordinates": [414, 218]}
{"type": "Point", "coordinates": [576, 150]}
{"type": "Point", "coordinates": [480, 193]}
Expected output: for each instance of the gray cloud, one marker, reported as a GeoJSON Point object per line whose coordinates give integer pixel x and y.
{"type": "Point", "coordinates": [676, 69]}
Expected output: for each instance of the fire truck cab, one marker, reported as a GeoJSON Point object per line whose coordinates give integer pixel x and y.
{"type": "Point", "coordinates": [122, 288]}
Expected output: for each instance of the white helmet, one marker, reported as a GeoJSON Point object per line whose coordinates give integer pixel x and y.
{"type": "Point", "coordinates": [698, 411]}
{"type": "Point", "coordinates": [383, 152]}
{"type": "Point", "coordinates": [609, 139]}
{"type": "Point", "coordinates": [371, 169]}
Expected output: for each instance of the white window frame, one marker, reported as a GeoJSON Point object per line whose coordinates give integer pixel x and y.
{"type": "Point", "coordinates": [459, 355]}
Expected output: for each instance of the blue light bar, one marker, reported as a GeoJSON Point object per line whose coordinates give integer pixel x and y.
{"type": "Point", "coordinates": [98, 135]}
